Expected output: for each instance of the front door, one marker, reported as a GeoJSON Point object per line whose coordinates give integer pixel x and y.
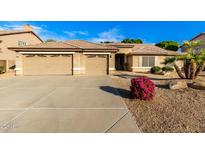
{"type": "Point", "coordinates": [119, 61]}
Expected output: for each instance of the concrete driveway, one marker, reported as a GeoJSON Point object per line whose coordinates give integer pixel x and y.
{"type": "Point", "coordinates": [62, 104]}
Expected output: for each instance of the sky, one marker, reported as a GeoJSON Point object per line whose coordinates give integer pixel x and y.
{"type": "Point", "coordinates": [96, 31]}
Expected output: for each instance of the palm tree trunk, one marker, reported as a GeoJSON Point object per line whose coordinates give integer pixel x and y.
{"type": "Point", "coordinates": [179, 72]}
{"type": "Point", "coordinates": [186, 69]}
{"type": "Point", "coordinates": [189, 71]}
{"type": "Point", "coordinates": [193, 69]}
{"type": "Point", "coordinates": [198, 70]}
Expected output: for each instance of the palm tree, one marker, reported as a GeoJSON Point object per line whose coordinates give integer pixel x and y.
{"type": "Point", "coordinates": [194, 62]}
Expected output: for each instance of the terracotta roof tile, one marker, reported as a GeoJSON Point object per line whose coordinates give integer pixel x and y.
{"type": "Point", "coordinates": [73, 44]}
{"type": "Point", "coordinates": [89, 45]}
{"type": "Point", "coordinates": [151, 49]}
{"type": "Point", "coordinates": [51, 45]}
{"type": "Point", "coordinates": [120, 45]}
{"type": "Point", "coordinates": [145, 49]}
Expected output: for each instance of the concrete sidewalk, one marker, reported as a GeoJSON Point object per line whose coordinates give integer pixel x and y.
{"type": "Point", "coordinates": [62, 104]}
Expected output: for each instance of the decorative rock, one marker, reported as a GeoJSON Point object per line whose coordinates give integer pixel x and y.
{"type": "Point", "coordinates": [163, 73]}
{"type": "Point", "coordinates": [166, 73]}
{"type": "Point", "coordinates": [197, 85]}
{"type": "Point", "coordinates": [177, 85]}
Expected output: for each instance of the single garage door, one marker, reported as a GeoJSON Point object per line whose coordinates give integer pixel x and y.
{"type": "Point", "coordinates": [96, 65]}
{"type": "Point", "coordinates": [47, 64]}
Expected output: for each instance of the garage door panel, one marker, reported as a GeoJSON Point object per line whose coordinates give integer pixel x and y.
{"type": "Point", "coordinates": [96, 65]}
{"type": "Point", "coordinates": [47, 64]}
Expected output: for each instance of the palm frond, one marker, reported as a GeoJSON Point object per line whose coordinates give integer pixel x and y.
{"type": "Point", "coordinates": [169, 60]}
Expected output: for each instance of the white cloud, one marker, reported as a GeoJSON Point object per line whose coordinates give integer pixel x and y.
{"type": "Point", "coordinates": [110, 35]}
{"type": "Point", "coordinates": [19, 26]}
{"type": "Point", "coordinates": [74, 34]}
{"type": "Point", "coordinates": [40, 30]}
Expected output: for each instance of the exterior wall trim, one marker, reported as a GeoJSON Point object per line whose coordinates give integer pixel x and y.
{"type": "Point", "coordinates": [139, 67]}
{"type": "Point", "coordinates": [47, 52]}
{"type": "Point", "coordinates": [96, 53]}
{"type": "Point", "coordinates": [18, 69]}
{"type": "Point", "coordinates": [112, 69]}
{"type": "Point", "coordinates": [78, 68]}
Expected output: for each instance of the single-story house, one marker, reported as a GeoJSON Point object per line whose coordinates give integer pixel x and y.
{"type": "Point", "coordinates": [72, 57]}
{"type": "Point", "coordinates": [77, 57]}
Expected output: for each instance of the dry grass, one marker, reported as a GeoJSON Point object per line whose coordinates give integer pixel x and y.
{"type": "Point", "coordinates": [170, 111]}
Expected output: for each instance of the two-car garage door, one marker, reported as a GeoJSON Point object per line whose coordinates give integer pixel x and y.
{"type": "Point", "coordinates": [40, 64]}
{"type": "Point", "coordinates": [47, 64]}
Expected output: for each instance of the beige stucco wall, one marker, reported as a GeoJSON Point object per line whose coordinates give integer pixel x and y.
{"type": "Point", "coordinates": [124, 50]}
{"type": "Point", "coordinates": [159, 60]}
{"type": "Point", "coordinates": [78, 63]}
{"type": "Point", "coordinates": [129, 62]}
{"type": "Point", "coordinates": [137, 63]}
{"type": "Point", "coordinates": [19, 64]}
{"type": "Point", "coordinates": [112, 62]}
{"type": "Point", "coordinates": [12, 41]}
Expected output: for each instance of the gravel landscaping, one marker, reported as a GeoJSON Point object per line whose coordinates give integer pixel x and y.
{"type": "Point", "coordinates": [171, 111]}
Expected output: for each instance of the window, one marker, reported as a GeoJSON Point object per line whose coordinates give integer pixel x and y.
{"type": "Point", "coordinates": [21, 43]}
{"type": "Point", "coordinates": [148, 61]}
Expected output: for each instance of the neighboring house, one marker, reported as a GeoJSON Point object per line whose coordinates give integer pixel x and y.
{"type": "Point", "coordinates": [77, 57]}
{"type": "Point", "coordinates": [15, 38]}
{"type": "Point", "coordinates": [199, 37]}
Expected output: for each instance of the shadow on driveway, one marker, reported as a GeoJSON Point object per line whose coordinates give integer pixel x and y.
{"type": "Point", "coordinates": [120, 92]}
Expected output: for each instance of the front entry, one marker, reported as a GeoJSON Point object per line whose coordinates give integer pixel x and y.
{"type": "Point", "coordinates": [119, 61]}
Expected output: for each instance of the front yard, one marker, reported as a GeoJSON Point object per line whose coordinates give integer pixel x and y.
{"type": "Point", "coordinates": [171, 111]}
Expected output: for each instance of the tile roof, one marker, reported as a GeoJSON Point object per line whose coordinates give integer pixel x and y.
{"type": "Point", "coordinates": [73, 44]}
{"type": "Point", "coordinates": [50, 45]}
{"type": "Point", "coordinates": [89, 45]}
{"type": "Point", "coordinates": [144, 49]}
{"type": "Point", "coordinates": [120, 45]}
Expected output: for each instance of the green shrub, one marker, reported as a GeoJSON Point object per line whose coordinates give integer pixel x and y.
{"type": "Point", "coordinates": [168, 45]}
{"type": "Point", "coordinates": [167, 69]}
{"type": "Point", "coordinates": [155, 69]}
{"type": "Point", "coordinates": [1, 69]}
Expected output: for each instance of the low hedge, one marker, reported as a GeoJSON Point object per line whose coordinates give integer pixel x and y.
{"type": "Point", "coordinates": [167, 69]}
{"type": "Point", "coordinates": [155, 69]}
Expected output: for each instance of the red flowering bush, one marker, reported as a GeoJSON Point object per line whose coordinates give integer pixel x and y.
{"type": "Point", "coordinates": [142, 88]}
